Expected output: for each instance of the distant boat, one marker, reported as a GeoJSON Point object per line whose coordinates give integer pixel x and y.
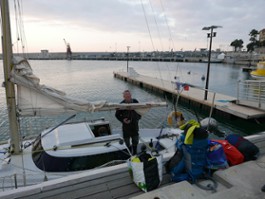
{"type": "Point", "coordinates": [259, 73]}
{"type": "Point", "coordinates": [215, 59]}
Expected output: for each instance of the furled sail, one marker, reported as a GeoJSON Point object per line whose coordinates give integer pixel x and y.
{"type": "Point", "coordinates": [36, 99]}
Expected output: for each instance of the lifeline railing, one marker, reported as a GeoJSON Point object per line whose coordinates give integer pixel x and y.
{"type": "Point", "coordinates": [251, 93]}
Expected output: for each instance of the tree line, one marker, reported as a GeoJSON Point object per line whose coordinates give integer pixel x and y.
{"type": "Point", "coordinates": [254, 43]}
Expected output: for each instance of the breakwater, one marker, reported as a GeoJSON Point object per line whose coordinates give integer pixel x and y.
{"type": "Point", "coordinates": [186, 56]}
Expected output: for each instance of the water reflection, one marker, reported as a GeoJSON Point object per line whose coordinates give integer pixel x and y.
{"type": "Point", "coordinates": [93, 80]}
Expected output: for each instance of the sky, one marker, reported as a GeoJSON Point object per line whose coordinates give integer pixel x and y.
{"type": "Point", "coordinates": [143, 25]}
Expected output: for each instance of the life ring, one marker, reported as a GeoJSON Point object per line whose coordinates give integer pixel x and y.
{"type": "Point", "coordinates": [175, 119]}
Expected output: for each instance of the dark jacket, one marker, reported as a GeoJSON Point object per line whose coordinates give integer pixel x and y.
{"type": "Point", "coordinates": [132, 128]}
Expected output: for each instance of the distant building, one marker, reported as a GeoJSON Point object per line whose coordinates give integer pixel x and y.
{"type": "Point", "coordinates": [44, 54]}
{"type": "Point", "coordinates": [261, 50]}
{"type": "Point", "coordinates": [262, 35]}
{"type": "Point", "coordinates": [218, 50]}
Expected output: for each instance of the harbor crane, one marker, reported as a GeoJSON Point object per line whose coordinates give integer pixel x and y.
{"type": "Point", "coordinates": [68, 50]}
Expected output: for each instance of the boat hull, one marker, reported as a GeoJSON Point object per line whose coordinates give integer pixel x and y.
{"type": "Point", "coordinates": [257, 76]}
{"type": "Point", "coordinates": [68, 157]}
{"type": "Point", "coordinates": [259, 73]}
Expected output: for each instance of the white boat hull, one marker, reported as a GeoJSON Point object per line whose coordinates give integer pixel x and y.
{"type": "Point", "coordinates": [20, 170]}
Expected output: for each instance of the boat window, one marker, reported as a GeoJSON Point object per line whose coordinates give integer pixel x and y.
{"type": "Point", "coordinates": [101, 130]}
{"type": "Point", "coordinates": [49, 163]}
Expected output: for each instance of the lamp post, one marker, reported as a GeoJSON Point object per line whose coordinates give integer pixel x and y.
{"type": "Point", "coordinates": [209, 35]}
{"type": "Point", "coordinates": [128, 47]}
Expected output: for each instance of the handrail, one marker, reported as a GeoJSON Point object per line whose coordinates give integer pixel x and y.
{"type": "Point", "coordinates": [251, 93]}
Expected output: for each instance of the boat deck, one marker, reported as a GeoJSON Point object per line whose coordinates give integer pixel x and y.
{"type": "Point", "coordinates": [241, 181]}
{"type": "Point", "coordinates": [222, 103]}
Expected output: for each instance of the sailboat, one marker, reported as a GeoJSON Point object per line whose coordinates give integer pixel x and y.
{"type": "Point", "coordinates": [69, 147]}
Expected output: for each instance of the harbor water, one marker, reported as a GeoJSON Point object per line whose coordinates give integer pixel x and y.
{"type": "Point", "coordinates": [94, 81]}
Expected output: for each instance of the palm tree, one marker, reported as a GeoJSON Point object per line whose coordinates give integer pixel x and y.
{"type": "Point", "coordinates": [253, 40]}
{"type": "Point", "coordinates": [253, 35]}
{"type": "Point", "coordinates": [237, 44]}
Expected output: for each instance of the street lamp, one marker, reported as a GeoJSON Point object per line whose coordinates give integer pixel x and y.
{"type": "Point", "coordinates": [209, 35]}
{"type": "Point", "coordinates": [128, 47]}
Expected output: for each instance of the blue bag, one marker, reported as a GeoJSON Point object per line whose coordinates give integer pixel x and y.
{"type": "Point", "coordinates": [178, 173]}
{"type": "Point", "coordinates": [216, 158]}
{"type": "Point", "coordinates": [195, 157]}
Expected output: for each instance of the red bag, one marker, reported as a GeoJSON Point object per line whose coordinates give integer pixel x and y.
{"type": "Point", "coordinates": [233, 155]}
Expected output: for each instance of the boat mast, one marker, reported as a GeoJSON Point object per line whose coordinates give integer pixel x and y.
{"type": "Point", "coordinates": [9, 86]}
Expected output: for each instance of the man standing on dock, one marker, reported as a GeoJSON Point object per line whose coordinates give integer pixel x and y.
{"type": "Point", "coordinates": [129, 120]}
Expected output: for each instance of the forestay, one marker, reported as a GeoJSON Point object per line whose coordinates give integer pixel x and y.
{"type": "Point", "coordinates": [34, 98]}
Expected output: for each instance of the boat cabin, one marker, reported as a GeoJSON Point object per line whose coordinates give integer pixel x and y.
{"type": "Point", "coordinates": [78, 146]}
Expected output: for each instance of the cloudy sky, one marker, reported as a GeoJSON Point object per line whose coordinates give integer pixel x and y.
{"type": "Point", "coordinates": [144, 25]}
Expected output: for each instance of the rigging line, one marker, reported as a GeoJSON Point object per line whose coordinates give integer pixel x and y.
{"type": "Point", "coordinates": [158, 30]}
{"type": "Point", "coordinates": [169, 31]}
{"type": "Point", "coordinates": [153, 46]}
{"type": "Point", "coordinates": [170, 36]}
{"type": "Point", "coordinates": [147, 25]}
{"type": "Point", "coordinates": [19, 25]}
{"type": "Point", "coordinates": [159, 36]}
{"type": "Point", "coordinates": [175, 97]}
{"type": "Point", "coordinates": [22, 155]}
{"type": "Point", "coordinates": [23, 29]}
{"type": "Point", "coordinates": [181, 76]}
{"type": "Point", "coordinates": [23, 37]}
{"type": "Point", "coordinates": [69, 118]}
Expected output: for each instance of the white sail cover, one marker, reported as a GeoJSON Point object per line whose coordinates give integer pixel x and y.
{"type": "Point", "coordinates": [36, 99]}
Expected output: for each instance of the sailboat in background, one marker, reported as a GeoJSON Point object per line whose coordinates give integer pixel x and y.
{"type": "Point", "coordinates": [68, 147]}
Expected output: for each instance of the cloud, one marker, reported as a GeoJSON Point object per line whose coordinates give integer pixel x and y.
{"type": "Point", "coordinates": [153, 24]}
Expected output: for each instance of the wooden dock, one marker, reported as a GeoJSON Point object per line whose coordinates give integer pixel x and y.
{"type": "Point", "coordinates": [194, 96]}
